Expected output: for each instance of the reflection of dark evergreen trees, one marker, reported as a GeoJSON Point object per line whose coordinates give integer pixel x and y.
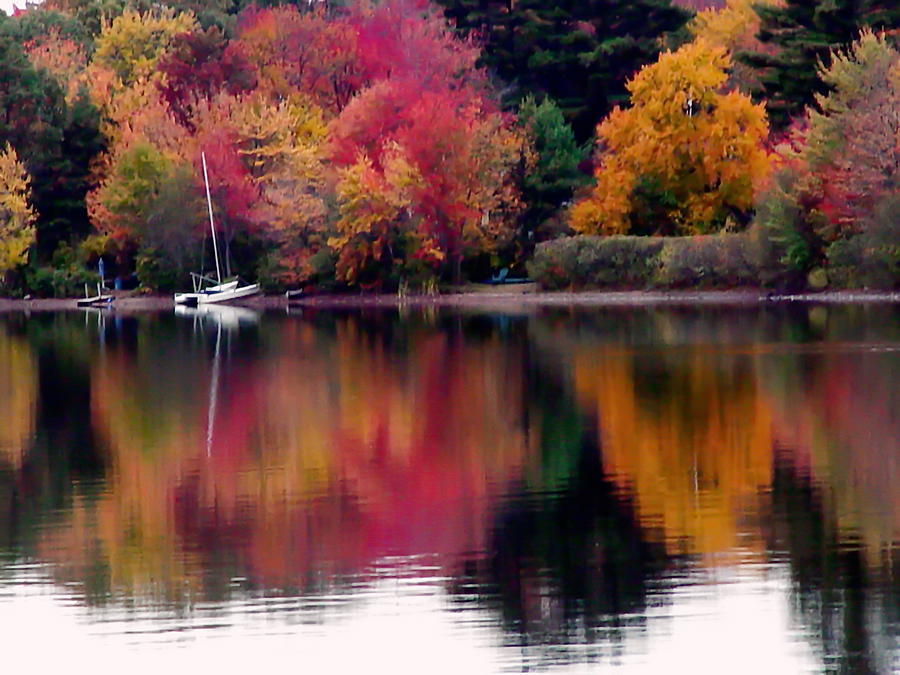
{"type": "Point", "coordinates": [568, 567]}
{"type": "Point", "coordinates": [63, 453]}
{"type": "Point", "coordinates": [850, 609]}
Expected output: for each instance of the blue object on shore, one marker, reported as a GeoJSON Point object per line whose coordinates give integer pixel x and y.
{"type": "Point", "coordinates": [502, 277]}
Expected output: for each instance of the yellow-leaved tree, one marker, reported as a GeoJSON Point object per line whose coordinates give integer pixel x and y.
{"type": "Point", "coordinates": [132, 43]}
{"type": "Point", "coordinates": [17, 232]}
{"type": "Point", "coordinates": [281, 143]}
{"type": "Point", "coordinates": [377, 226]}
{"type": "Point", "coordinates": [122, 76]}
{"type": "Point", "coordinates": [684, 157]}
{"type": "Point", "coordinates": [734, 26]}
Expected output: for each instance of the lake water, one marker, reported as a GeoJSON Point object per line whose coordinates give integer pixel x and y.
{"type": "Point", "coordinates": [420, 491]}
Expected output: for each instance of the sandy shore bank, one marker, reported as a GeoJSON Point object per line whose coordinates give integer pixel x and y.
{"type": "Point", "coordinates": [485, 298]}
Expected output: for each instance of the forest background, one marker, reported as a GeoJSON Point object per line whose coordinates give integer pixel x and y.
{"type": "Point", "coordinates": [387, 144]}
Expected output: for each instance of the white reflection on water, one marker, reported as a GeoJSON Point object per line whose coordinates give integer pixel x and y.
{"type": "Point", "coordinates": [733, 623]}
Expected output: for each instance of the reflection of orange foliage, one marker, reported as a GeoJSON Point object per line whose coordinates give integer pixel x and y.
{"type": "Point", "coordinates": [696, 456]}
{"type": "Point", "coordinates": [323, 457]}
{"type": "Point", "coordinates": [18, 395]}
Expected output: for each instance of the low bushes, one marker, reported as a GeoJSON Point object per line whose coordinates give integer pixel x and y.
{"type": "Point", "coordinates": [594, 261]}
{"type": "Point", "coordinates": [721, 260]}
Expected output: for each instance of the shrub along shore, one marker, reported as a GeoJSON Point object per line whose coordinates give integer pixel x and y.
{"type": "Point", "coordinates": [729, 260]}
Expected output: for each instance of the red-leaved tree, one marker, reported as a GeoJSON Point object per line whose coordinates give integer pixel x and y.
{"type": "Point", "coordinates": [200, 65]}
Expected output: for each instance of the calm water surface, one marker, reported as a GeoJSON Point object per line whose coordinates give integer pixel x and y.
{"type": "Point", "coordinates": [707, 491]}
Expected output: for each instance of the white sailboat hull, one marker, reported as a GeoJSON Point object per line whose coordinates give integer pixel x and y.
{"type": "Point", "coordinates": [217, 294]}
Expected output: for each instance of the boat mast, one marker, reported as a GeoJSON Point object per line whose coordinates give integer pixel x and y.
{"type": "Point", "coordinates": [211, 226]}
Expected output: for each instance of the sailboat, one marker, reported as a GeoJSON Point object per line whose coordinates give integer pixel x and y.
{"type": "Point", "coordinates": [207, 290]}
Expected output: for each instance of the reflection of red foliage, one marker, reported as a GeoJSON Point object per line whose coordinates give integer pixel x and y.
{"type": "Point", "coordinates": [391, 491]}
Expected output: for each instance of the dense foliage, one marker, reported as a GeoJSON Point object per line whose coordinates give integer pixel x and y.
{"type": "Point", "coordinates": [835, 200]}
{"type": "Point", "coordinates": [382, 143]}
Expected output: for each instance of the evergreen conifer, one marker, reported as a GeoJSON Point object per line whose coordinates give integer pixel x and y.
{"type": "Point", "coordinates": [577, 52]}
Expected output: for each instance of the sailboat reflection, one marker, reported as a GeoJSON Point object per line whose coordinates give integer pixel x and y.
{"type": "Point", "coordinates": [222, 317]}
{"type": "Point", "coordinates": [225, 316]}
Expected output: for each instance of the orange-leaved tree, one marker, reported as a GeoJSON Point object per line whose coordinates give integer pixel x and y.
{"type": "Point", "coordinates": [62, 57]}
{"type": "Point", "coordinates": [684, 157]}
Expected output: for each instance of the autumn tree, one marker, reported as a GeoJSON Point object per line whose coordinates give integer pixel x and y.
{"type": "Point", "coordinates": [235, 194]}
{"type": "Point", "coordinates": [852, 144]}
{"type": "Point", "coordinates": [63, 58]}
{"type": "Point", "coordinates": [200, 65]}
{"type": "Point", "coordinates": [835, 201]}
{"type": "Point", "coordinates": [303, 51]}
{"type": "Point", "coordinates": [121, 204]}
{"type": "Point", "coordinates": [172, 233]}
{"type": "Point", "coordinates": [734, 26]}
{"type": "Point", "coordinates": [683, 158]}
{"type": "Point", "coordinates": [461, 153]}
{"type": "Point", "coordinates": [17, 231]}
{"type": "Point", "coordinates": [282, 146]}
{"type": "Point", "coordinates": [377, 236]}
{"type": "Point", "coordinates": [409, 40]}
{"type": "Point", "coordinates": [578, 52]}
{"type": "Point", "coordinates": [132, 44]}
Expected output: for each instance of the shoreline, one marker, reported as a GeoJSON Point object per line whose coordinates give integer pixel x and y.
{"type": "Point", "coordinates": [487, 299]}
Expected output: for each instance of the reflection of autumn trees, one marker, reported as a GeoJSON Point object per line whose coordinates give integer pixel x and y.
{"type": "Point", "coordinates": [556, 468]}
{"type": "Point", "coordinates": [688, 434]}
{"type": "Point", "coordinates": [842, 428]}
{"type": "Point", "coordinates": [847, 606]}
{"type": "Point", "coordinates": [323, 456]}
{"type": "Point", "coordinates": [18, 401]}
{"type": "Point", "coordinates": [18, 398]}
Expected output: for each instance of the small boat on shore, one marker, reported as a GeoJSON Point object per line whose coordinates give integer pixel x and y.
{"type": "Point", "coordinates": [207, 290]}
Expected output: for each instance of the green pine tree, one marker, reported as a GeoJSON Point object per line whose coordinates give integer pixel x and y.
{"type": "Point", "coordinates": [577, 52]}
{"type": "Point", "coordinates": [556, 174]}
